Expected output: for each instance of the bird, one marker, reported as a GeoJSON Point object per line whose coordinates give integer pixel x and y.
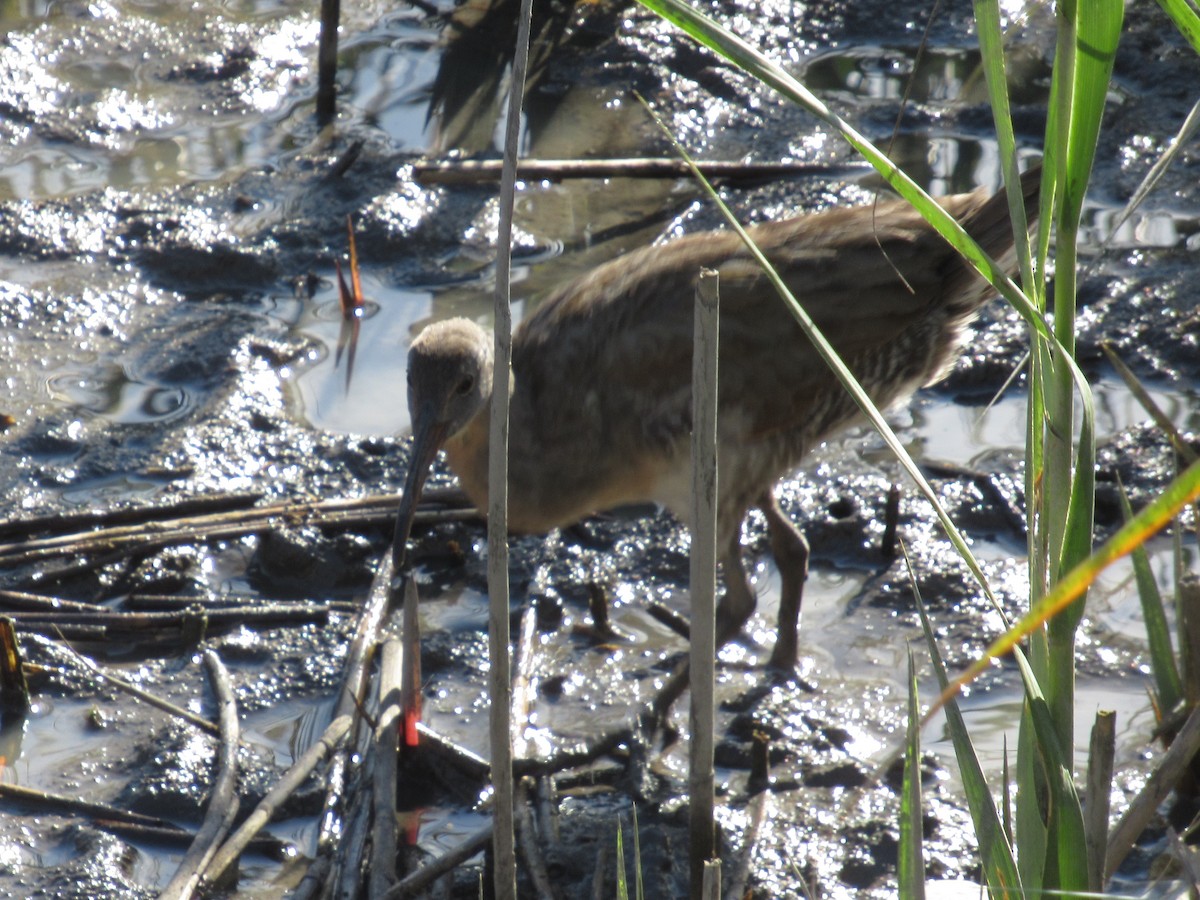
{"type": "Point", "coordinates": [600, 388]}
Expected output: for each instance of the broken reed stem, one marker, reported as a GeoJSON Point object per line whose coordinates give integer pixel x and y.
{"type": "Point", "coordinates": [268, 846]}
{"type": "Point", "coordinates": [14, 689]}
{"type": "Point", "coordinates": [756, 814]}
{"type": "Point", "coordinates": [500, 687]}
{"type": "Point", "coordinates": [1097, 799]}
{"type": "Point", "coordinates": [703, 578]}
{"type": "Point", "coordinates": [327, 48]}
{"type": "Point", "coordinates": [710, 886]}
{"type": "Point", "coordinates": [387, 749]}
{"type": "Point", "coordinates": [1160, 783]}
{"type": "Point", "coordinates": [223, 804]}
{"type": "Point", "coordinates": [225, 859]}
{"type": "Point", "coordinates": [350, 695]}
{"type": "Point", "coordinates": [522, 703]}
{"type": "Point", "coordinates": [353, 848]}
{"type": "Point", "coordinates": [22, 600]}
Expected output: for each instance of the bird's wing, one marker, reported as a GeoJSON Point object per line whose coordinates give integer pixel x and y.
{"type": "Point", "coordinates": [624, 332]}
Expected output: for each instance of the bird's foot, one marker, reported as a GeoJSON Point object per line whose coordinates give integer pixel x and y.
{"type": "Point", "coordinates": [783, 668]}
{"type": "Point", "coordinates": [784, 656]}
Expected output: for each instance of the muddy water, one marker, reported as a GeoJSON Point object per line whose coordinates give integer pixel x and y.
{"type": "Point", "coordinates": [169, 319]}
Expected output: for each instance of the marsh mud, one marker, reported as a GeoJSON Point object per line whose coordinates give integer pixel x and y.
{"type": "Point", "coordinates": [170, 215]}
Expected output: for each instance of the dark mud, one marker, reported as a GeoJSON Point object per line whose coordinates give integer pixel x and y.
{"type": "Point", "coordinates": [169, 217]}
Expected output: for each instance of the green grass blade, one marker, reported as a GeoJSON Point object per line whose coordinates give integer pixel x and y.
{"type": "Point", "coordinates": [999, 867]}
{"type": "Point", "coordinates": [911, 875]}
{"type": "Point", "coordinates": [622, 878]}
{"type": "Point", "coordinates": [1006, 792]}
{"type": "Point", "coordinates": [639, 891]}
{"type": "Point", "coordinates": [1158, 632]}
{"type": "Point", "coordinates": [991, 48]}
{"type": "Point", "coordinates": [1032, 835]}
{"type": "Point", "coordinates": [1185, 19]}
{"type": "Point", "coordinates": [1097, 33]}
{"type": "Point", "coordinates": [1098, 27]}
{"type": "Point", "coordinates": [1067, 868]}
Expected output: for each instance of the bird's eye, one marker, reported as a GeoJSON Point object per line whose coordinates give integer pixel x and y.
{"type": "Point", "coordinates": [465, 386]}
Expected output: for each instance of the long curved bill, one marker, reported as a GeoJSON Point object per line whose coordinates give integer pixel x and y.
{"type": "Point", "coordinates": [428, 435]}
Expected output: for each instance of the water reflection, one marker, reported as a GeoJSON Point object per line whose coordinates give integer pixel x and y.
{"type": "Point", "coordinates": [111, 392]}
{"type": "Point", "coordinates": [376, 400]}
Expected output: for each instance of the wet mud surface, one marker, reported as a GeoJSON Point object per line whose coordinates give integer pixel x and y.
{"type": "Point", "coordinates": [169, 218]}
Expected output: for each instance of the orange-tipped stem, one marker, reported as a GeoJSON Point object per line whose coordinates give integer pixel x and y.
{"type": "Point", "coordinates": [345, 297]}
{"type": "Point", "coordinates": [355, 280]}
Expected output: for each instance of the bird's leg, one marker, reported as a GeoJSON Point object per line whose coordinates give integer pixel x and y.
{"type": "Point", "coordinates": [790, 549]}
{"type": "Point", "coordinates": [738, 603]}
{"type": "Point", "coordinates": [732, 612]}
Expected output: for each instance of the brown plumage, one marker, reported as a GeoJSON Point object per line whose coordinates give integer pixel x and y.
{"type": "Point", "coordinates": [601, 388]}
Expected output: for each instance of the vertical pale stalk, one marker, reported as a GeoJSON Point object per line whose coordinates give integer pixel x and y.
{"type": "Point", "coordinates": [500, 685]}
{"type": "Point", "coordinates": [703, 577]}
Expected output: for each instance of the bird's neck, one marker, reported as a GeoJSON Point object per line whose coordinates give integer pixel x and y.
{"type": "Point", "coordinates": [467, 453]}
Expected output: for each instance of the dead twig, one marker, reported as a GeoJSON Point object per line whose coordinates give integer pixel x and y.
{"type": "Point", "coordinates": [574, 757]}
{"type": "Point", "coordinates": [75, 522]}
{"type": "Point", "coordinates": [20, 600]}
{"type": "Point", "coordinates": [170, 602]}
{"type": "Point", "coordinates": [266, 845]}
{"type": "Point", "coordinates": [113, 623]}
{"type": "Point", "coordinates": [453, 762]}
{"type": "Point", "coordinates": [145, 696]}
{"type": "Point", "coordinates": [47, 802]}
{"type": "Point", "coordinates": [227, 855]}
{"type": "Point", "coordinates": [223, 804]}
{"type": "Point", "coordinates": [435, 869]}
{"type": "Point", "coordinates": [475, 171]}
{"type": "Point", "coordinates": [120, 624]}
{"type": "Point", "coordinates": [374, 511]}
{"type": "Point", "coordinates": [528, 844]}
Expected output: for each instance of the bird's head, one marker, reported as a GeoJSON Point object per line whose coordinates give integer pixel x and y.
{"type": "Point", "coordinates": [449, 376]}
{"type": "Point", "coordinates": [449, 381]}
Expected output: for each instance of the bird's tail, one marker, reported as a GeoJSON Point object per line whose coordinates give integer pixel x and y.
{"type": "Point", "coordinates": [991, 227]}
